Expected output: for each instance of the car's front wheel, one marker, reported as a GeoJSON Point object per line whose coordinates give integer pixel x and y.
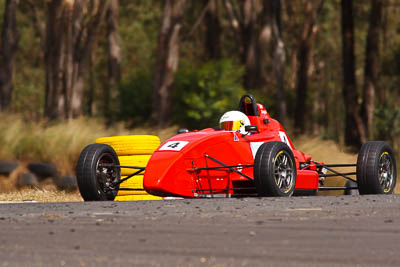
{"type": "Point", "coordinates": [96, 172]}
{"type": "Point", "coordinates": [274, 170]}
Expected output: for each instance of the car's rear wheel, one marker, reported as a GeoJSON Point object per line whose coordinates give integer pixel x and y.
{"type": "Point", "coordinates": [274, 170]}
{"type": "Point", "coordinates": [96, 172]}
{"type": "Point", "coordinates": [376, 168]}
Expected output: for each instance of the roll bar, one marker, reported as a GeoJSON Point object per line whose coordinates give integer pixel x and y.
{"type": "Point", "coordinates": [253, 103]}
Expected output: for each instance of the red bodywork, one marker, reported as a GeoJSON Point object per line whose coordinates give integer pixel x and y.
{"type": "Point", "coordinates": [173, 170]}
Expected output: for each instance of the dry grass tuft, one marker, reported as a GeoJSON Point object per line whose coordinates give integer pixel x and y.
{"type": "Point", "coordinates": [56, 143]}
{"type": "Point", "coordinates": [60, 143]}
{"type": "Point", "coordinates": [8, 184]}
{"type": "Point", "coordinates": [326, 151]}
{"type": "Point", "coordinates": [40, 196]}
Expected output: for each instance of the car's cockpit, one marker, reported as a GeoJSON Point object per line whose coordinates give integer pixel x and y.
{"type": "Point", "coordinates": [256, 113]}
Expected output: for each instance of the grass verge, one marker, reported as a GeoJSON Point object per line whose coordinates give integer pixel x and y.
{"type": "Point", "coordinates": [27, 195]}
{"type": "Point", "coordinates": [61, 143]}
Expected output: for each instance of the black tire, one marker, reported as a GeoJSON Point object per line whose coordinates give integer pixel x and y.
{"type": "Point", "coordinates": [376, 168]}
{"type": "Point", "coordinates": [67, 183]}
{"type": "Point", "coordinates": [271, 158]}
{"type": "Point", "coordinates": [348, 191]}
{"type": "Point", "coordinates": [27, 180]}
{"type": "Point", "coordinates": [97, 183]}
{"type": "Point", "coordinates": [43, 170]}
{"type": "Point", "coordinates": [6, 168]}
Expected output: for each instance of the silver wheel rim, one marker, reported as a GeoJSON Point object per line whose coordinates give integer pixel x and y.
{"type": "Point", "coordinates": [283, 172]}
{"type": "Point", "coordinates": [385, 172]}
{"type": "Point", "coordinates": [106, 176]}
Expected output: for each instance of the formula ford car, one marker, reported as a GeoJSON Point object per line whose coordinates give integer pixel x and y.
{"type": "Point", "coordinates": [256, 158]}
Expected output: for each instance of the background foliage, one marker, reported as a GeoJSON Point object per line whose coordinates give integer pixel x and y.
{"type": "Point", "coordinates": [206, 92]}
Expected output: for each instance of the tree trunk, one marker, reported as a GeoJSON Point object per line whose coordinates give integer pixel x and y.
{"type": "Point", "coordinates": [278, 58]}
{"type": "Point", "coordinates": [354, 132]}
{"type": "Point", "coordinates": [68, 46]}
{"type": "Point", "coordinates": [253, 40]}
{"type": "Point", "coordinates": [305, 49]}
{"type": "Point", "coordinates": [35, 15]}
{"type": "Point", "coordinates": [57, 57]}
{"type": "Point", "coordinates": [167, 60]}
{"type": "Point", "coordinates": [114, 59]}
{"type": "Point", "coordinates": [235, 23]}
{"type": "Point", "coordinates": [371, 65]}
{"type": "Point", "coordinates": [91, 86]}
{"type": "Point", "coordinates": [249, 38]}
{"type": "Point", "coordinates": [385, 24]}
{"type": "Point", "coordinates": [213, 30]}
{"type": "Point", "coordinates": [264, 45]}
{"type": "Point", "coordinates": [83, 46]}
{"type": "Point", "coordinates": [8, 48]}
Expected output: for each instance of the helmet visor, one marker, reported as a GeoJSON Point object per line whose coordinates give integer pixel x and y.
{"type": "Point", "coordinates": [231, 125]}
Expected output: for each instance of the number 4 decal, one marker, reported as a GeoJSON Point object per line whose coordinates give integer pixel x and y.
{"type": "Point", "coordinates": [174, 145]}
{"type": "Point", "coordinates": [284, 139]}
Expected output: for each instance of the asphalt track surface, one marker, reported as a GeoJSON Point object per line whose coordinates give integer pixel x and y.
{"type": "Point", "coordinates": [297, 231]}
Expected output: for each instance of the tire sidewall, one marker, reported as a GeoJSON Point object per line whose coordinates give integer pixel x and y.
{"type": "Point", "coordinates": [264, 169]}
{"type": "Point", "coordinates": [368, 167]}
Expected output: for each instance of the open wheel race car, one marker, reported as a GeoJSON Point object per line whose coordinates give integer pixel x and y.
{"type": "Point", "coordinates": [251, 155]}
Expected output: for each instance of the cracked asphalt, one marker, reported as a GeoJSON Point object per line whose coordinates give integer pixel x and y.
{"type": "Point", "coordinates": [297, 231]}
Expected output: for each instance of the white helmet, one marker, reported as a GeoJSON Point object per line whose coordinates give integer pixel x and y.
{"type": "Point", "coordinates": [234, 121]}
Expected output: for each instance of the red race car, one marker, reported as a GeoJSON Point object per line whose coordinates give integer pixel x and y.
{"type": "Point", "coordinates": [250, 154]}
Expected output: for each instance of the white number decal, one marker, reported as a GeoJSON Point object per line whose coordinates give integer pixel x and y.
{"type": "Point", "coordinates": [174, 145]}
{"type": "Point", "coordinates": [254, 147]}
{"type": "Point", "coordinates": [285, 139]}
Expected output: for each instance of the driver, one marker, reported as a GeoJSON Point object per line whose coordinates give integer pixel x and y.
{"type": "Point", "coordinates": [234, 121]}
